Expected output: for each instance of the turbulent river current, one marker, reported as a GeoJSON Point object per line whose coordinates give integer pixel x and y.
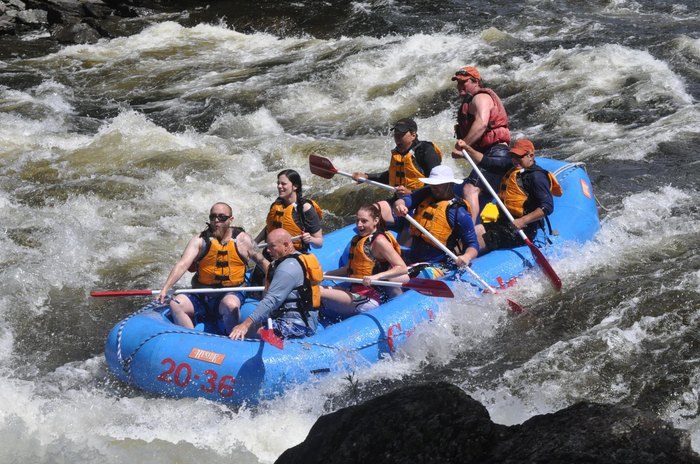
{"type": "Point", "coordinates": [112, 153]}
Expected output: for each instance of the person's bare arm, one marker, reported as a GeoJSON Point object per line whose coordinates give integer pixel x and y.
{"type": "Point", "coordinates": [483, 104]}
{"type": "Point", "coordinates": [188, 256]}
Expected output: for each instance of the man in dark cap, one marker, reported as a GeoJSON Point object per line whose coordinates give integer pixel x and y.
{"type": "Point", "coordinates": [411, 159]}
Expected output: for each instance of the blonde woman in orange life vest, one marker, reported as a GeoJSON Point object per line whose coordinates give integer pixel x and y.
{"type": "Point", "coordinates": [374, 255]}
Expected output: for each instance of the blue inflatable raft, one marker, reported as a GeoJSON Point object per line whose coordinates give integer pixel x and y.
{"type": "Point", "coordinates": [147, 350]}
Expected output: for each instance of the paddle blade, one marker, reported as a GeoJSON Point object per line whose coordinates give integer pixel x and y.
{"type": "Point", "coordinates": [544, 264]}
{"type": "Point", "coordinates": [271, 337]}
{"type": "Point", "coordinates": [515, 307]}
{"type": "Point", "coordinates": [124, 293]}
{"type": "Point", "coordinates": [322, 166]}
{"type": "Point", "coordinates": [429, 287]}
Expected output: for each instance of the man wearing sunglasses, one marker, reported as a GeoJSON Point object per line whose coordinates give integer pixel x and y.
{"type": "Point", "coordinates": [482, 123]}
{"type": "Point", "coordinates": [218, 256]}
{"type": "Point", "coordinates": [526, 190]}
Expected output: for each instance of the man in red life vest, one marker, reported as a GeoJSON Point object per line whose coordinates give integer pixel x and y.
{"type": "Point", "coordinates": [482, 123]}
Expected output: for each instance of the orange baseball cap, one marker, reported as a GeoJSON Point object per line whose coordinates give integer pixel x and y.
{"type": "Point", "coordinates": [522, 147]}
{"type": "Point", "coordinates": [467, 72]}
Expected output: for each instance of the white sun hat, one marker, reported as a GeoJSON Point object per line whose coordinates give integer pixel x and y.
{"type": "Point", "coordinates": [440, 175]}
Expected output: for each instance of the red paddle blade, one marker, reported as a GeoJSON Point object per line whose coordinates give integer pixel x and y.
{"type": "Point", "coordinates": [515, 307]}
{"type": "Point", "coordinates": [123, 293]}
{"type": "Point", "coordinates": [269, 335]}
{"type": "Point", "coordinates": [322, 166]}
{"type": "Point", "coordinates": [429, 287]}
{"type": "Point", "coordinates": [544, 264]}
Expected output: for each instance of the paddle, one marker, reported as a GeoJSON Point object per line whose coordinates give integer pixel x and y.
{"type": "Point", "coordinates": [270, 336]}
{"type": "Point", "coordinates": [324, 167]}
{"type": "Point", "coordinates": [427, 287]}
{"type": "Point", "coordinates": [536, 252]}
{"type": "Point", "coordinates": [513, 305]}
{"type": "Point", "coordinates": [177, 292]}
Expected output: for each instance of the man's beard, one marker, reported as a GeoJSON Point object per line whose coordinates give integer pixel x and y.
{"type": "Point", "coordinates": [218, 231]}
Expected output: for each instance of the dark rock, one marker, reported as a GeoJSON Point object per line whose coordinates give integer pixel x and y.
{"type": "Point", "coordinates": [71, 21]}
{"type": "Point", "coordinates": [426, 423]}
{"type": "Point", "coordinates": [7, 26]}
{"type": "Point", "coordinates": [79, 33]}
{"type": "Point", "coordinates": [32, 16]}
{"type": "Point", "coordinates": [588, 432]}
{"type": "Point", "coordinates": [18, 4]}
{"type": "Point", "coordinates": [440, 423]}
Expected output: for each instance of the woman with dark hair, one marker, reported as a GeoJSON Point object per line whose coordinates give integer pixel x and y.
{"type": "Point", "coordinates": [374, 255]}
{"type": "Point", "coordinates": [299, 216]}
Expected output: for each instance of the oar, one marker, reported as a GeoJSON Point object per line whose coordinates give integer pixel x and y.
{"type": "Point", "coordinates": [427, 287]}
{"type": "Point", "coordinates": [513, 305]}
{"type": "Point", "coordinates": [324, 167]}
{"type": "Point", "coordinates": [177, 292]}
{"type": "Point", "coordinates": [536, 252]}
{"type": "Point", "coordinates": [268, 334]}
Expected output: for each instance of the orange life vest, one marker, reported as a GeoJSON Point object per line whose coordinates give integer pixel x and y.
{"type": "Point", "coordinates": [221, 266]}
{"type": "Point", "coordinates": [497, 127]}
{"type": "Point", "coordinates": [361, 262]}
{"type": "Point", "coordinates": [280, 216]}
{"type": "Point", "coordinates": [403, 170]}
{"type": "Point", "coordinates": [432, 216]}
{"type": "Point", "coordinates": [513, 193]}
{"type": "Point", "coordinates": [310, 291]}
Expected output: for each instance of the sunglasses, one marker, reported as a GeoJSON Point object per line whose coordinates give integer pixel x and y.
{"type": "Point", "coordinates": [462, 72]}
{"type": "Point", "coordinates": [515, 155]}
{"type": "Point", "coordinates": [219, 217]}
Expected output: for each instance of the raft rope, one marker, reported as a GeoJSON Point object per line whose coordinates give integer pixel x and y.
{"type": "Point", "coordinates": [581, 165]}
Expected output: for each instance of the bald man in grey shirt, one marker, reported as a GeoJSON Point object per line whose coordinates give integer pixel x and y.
{"type": "Point", "coordinates": [282, 299]}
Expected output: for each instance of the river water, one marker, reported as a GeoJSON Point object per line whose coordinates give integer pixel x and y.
{"type": "Point", "coordinates": [112, 153]}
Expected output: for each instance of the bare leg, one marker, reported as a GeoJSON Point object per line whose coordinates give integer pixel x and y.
{"type": "Point", "coordinates": [471, 195]}
{"type": "Point", "coordinates": [339, 301]}
{"type": "Point", "coordinates": [183, 311]}
{"type": "Point", "coordinates": [479, 229]}
{"type": "Point", "coordinates": [230, 311]}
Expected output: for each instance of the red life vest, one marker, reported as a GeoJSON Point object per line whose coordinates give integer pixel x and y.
{"type": "Point", "coordinates": [497, 127]}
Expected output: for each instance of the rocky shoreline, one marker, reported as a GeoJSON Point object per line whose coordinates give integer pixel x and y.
{"type": "Point", "coordinates": [71, 21]}
{"type": "Point", "coordinates": [438, 422]}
